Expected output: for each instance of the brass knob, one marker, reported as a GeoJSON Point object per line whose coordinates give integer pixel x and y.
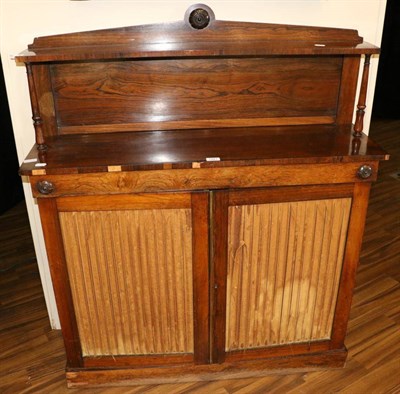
{"type": "Point", "coordinates": [364, 172]}
{"type": "Point", "coordinates": [45, 187]}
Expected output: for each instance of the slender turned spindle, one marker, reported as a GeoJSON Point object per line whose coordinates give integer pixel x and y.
{"type": "Point", "coordinates": [355, 146]}
{"type": "Point", "coordinates": [37, 120]}
{"type": "Point", "coordinates": [359, 124]}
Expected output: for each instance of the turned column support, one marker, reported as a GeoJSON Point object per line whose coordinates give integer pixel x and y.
{"type": "Point", "coordinates": [36, 117]}
{"type": "Point", "coordinates": [359, 124]}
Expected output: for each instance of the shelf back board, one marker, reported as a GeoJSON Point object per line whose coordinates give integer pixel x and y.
{"type": "Point", "coordinates": [178, 75]}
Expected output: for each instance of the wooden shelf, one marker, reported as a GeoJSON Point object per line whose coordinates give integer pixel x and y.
{"type": "Point", "coordinates": [179, 149]}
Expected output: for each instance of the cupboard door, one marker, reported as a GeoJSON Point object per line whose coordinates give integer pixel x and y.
{"type": "Point", "coordinates": [137, 275]}
{"type": "Point", "coordinates": [279, 259]}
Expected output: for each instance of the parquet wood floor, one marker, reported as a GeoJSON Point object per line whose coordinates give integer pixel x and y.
{"type": "Point", "coordinates": [32, 357]}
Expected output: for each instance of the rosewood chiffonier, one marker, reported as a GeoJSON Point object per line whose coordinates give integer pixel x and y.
{"type": "Point", "coordinates": [203, 193]}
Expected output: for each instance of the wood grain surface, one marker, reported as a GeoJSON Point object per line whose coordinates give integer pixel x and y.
{"type": "Point", "coordinates": [59, 277]}
{"type": "Point", "coordinates": [178, 39]}
{"type": "Point", "coordinates": [192, 90]}
{"type": "Point", "coordinates": [348, 88]}
{"type": "Point", "coordinates": [351, 261]}
{"type": "Point", "coordinates": [179, 32]}
{"type": "Point", "coordinates": [131, 280]}
{"type": "Point", "coordinates": [201, 178]}
{"type": "Point", "coordinates": [178, 149]}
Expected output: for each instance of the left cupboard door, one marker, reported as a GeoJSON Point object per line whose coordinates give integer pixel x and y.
{"type": "Point", "coordinates": [131, 277]}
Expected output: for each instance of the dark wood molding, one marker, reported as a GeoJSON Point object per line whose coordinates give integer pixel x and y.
{"type": "Point", "coordinates": [60, 279]}
{"type": "Point", "coordinates": [351, 260]}
{"type": "Point", "coordinates": [201, 300]}
{"type": "Point", "coordinates": [219, 38]}
{"type": "Point", "coordinates": [218, 288]}
{"type": "Point", "coordinates": [137, 361]}
{"type": "Point", "coordinates": [291, 193]}
{"type": "Point", "coordinates": [258, 368]}
{"type": "Point", "coordinates": [202, 178]}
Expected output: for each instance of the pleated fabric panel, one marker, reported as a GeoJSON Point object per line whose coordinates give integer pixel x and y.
{"type": "Point", "coordinates": [284, 266]}
{"type": "Point", "coordinates": [131, 280]}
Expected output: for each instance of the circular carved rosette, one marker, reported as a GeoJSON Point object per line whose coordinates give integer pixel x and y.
{"type": "Point", "coordinates": [199, 16]}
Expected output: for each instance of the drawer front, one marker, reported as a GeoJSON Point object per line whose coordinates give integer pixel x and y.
{"type": "Point", "coordinates": [202, 178]}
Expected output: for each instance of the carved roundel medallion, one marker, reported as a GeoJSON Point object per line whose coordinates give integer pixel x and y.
{"type": "Point", "coordinates": [199, 16]}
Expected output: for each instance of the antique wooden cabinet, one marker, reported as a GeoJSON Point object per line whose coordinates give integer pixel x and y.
{"type": "Point", "coordinates": [203, 194]}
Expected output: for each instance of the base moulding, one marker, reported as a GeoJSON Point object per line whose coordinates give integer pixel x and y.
{"type": "Point", "coordinates": [180, 374]}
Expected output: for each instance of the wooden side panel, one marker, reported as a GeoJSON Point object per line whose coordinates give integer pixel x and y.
{"type": "Point", "coordinates": [131, 280]}
{"type": "Point", "coordinates": [348, 88]}
{"type": "Point", "coordinates": [41, 74]}
{"type": "Point", "coordinates": [284, 265]}
{"type": "Point", "coordinates": [126, 96]}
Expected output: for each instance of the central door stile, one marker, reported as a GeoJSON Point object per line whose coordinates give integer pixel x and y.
{"type": "Point", "coordinates": [201, 276]}
{"type": "Point", "coordinates": [218, 286]}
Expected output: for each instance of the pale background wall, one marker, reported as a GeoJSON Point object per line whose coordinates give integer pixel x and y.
{"type": "Point", "coordinates": [22, 20]}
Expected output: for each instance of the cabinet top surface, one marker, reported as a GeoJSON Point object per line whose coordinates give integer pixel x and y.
{"type": "Point", "coordinates": [202, 148]}
{"type": "Point", "coordinates": [180, 39]}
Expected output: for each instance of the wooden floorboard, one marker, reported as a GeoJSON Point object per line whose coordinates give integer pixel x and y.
{"type": "Point", "coordinates": [32, 357]}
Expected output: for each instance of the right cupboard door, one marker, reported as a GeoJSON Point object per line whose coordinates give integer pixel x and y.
{"type": "Point", "coordinates": [279, 264]}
